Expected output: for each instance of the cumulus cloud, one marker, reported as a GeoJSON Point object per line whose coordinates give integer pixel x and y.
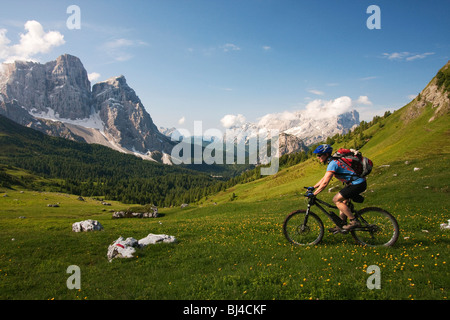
{"type": "Point", "coordinates": [182, 120]}
{"type": "Point", "coordinates": [34, 41]}
{"type": "Point", "coordinates": [94, 76]}
{"type": "Point", "coordinates": [364, 100]}
{"type": "Point", "coordinates": [232, 121]}
{"type": "Point", "coordinates": [325, 108]}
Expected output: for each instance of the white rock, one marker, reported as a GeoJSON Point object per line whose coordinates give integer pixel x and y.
{"type": "Point", "coordinates": [155, 238]}
{"type": "Point", "coordinates": [122, 248]}
{"type": "Point", "coordinates": [445, 226]}
{"type": "Point", "coordinates": [126, 248]}
{"type": "Point", "coordinates": [87, 225]}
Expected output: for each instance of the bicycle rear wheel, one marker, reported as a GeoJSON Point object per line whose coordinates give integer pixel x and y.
{"type": "Point", "coordinates": [378, 228]}
{"type": "Point", "coordinates": [296, 232]}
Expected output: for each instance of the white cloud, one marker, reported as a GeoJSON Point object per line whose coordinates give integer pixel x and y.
{"type": "Point", "coordinates": [318, 109]}
{"type": "Point", "coordinates": [266, 48]}
{"type": "Point", "coordinates": [118, 49]}
{"type": "Point", "coordinates": [368, 78]}
{"type": "Point", "coordinates": [408, 56]}
{"type": "Point", "coordinates": [230, 47]}
{"type": "Point", "coordinates": [33, 42]}
{"type": "Point", "coordinates": [316, 92]}
{"type": "Point", "coordinates": [231, 121]}
{"type": "Point", "coordinates": [396, 55]}
{"type": "Point", "coordinates": [419, 56]}
{"type": "Point", "coordinates": [93, 76]}
{"type": "Point", "coordinates": [364, 100]}
{"type": "Point", "coordinates": [182, 120]}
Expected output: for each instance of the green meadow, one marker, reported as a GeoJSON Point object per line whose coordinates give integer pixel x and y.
{"type": "Point", "coordinates": [230, 249]}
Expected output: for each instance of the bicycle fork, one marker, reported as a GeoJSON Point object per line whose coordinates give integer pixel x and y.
{"type": "Point", "coordinates": [305, 221]}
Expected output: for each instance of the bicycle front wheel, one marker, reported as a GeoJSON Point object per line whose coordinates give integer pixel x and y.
{"type": "Point", "coordinates": [297, 232]}
{"type": "Point", "coordinates": [378, 228]}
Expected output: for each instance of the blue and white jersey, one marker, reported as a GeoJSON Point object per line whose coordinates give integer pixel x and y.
{"type": "Point", "coordinates": [343, 172]}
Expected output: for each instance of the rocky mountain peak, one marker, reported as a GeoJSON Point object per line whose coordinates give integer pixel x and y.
{"type": "Point", "coordinates": [115, 88]}
{"type": "Point", "coordinates": [61, 85]}
{"type": "Point", "coordinates": [56, 98]}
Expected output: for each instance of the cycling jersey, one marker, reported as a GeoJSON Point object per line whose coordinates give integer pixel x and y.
{"type": "Point", "coordinates": [344, 173]}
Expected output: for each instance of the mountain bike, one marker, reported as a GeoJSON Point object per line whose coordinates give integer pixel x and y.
{"type": "Point", "coordinates": [378, 227]}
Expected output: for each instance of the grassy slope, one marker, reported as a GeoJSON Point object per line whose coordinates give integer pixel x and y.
{"type": "Point", "coordinates": [235, 249]}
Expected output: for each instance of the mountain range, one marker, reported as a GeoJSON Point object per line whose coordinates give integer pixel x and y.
{"type": "Point", "coordinates": [57, 98]}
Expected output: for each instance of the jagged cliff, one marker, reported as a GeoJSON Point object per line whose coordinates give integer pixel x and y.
{"type": "Point", "coordinates": [56, 98]}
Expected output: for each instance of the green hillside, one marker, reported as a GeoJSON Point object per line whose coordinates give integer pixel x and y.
{"type": "Point", "coordinates": [405, 135]}
{"type": "Point", "coordinates": [230, 243]}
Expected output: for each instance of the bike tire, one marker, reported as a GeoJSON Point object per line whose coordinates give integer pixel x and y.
{"type": "Point", "coordinates": [298, 235]}
{"type": "Point", "coordinates": [378, 228]}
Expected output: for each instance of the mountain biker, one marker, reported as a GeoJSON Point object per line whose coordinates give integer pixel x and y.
{"type": "Point", "coordinates": [354, 185]}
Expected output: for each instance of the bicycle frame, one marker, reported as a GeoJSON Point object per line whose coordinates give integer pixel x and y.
{"type": "Point", "coordinates": [330, 214]}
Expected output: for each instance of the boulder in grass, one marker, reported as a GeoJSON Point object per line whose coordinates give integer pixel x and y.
{"type": "Point", "coordinates": [125, 248]}
{"type": "Point", "coordinates": [144, 212]}
{"type": "Point", "coordinates": [87, 225]}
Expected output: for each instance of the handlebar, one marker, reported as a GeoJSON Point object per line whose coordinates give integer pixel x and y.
{"type": "Point", "coordinates": [310, 190]}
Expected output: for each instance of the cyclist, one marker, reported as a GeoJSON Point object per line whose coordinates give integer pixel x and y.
{"type": "Point", "coordinates": [354, 185]}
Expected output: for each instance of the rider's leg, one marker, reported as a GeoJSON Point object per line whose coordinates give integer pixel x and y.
{"type": "Point", "coordinates": [341, 204]}
{"type": "Point", "coordinates": [343, 217]}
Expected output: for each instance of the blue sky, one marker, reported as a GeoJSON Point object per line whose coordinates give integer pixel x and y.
{"type": "Point", "coordinates": [199, 60]}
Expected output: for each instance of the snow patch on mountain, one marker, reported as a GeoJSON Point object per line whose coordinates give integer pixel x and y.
{"type": "Point", "coordinates": [93, 121]}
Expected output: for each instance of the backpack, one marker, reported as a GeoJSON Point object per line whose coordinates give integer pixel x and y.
{"type": "Point", "coordinates": [362, 166]}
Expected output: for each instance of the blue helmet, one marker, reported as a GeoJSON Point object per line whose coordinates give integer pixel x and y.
{"type": "Point", "coordinates": [324, 148]}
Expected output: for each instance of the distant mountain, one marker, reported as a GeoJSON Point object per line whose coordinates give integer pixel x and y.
{"type": "Point", "coordinates": [56, 98]}
{"type": "Point", "coordinates": [298, 130]}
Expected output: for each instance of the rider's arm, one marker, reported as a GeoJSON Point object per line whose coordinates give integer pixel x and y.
{"type": "Point", "coordinates": [322, 184]}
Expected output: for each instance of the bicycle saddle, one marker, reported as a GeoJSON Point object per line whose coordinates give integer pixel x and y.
{"type": "Point", "coordinates": [358, 199]}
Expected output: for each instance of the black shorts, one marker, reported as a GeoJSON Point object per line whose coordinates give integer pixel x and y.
{"type": "Point", "coordinates": [353, 190]}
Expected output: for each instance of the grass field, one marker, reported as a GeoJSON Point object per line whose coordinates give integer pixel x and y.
{"type": "Point", "coordinates": [232, 250]}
